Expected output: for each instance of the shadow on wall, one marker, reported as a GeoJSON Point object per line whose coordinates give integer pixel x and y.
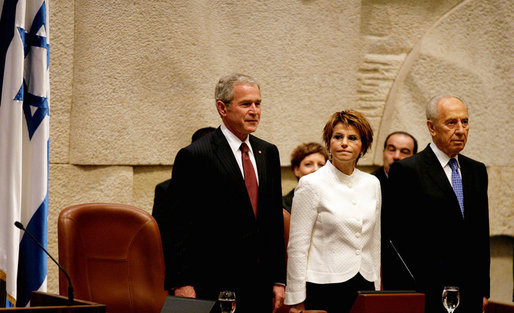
{"type": "Point", "coordinates": [502, 268]}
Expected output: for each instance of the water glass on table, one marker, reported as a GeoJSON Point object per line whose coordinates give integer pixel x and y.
{"type": "Point", "coordinates": [451, 298]}
{"type": "Point", "coordinates": [227, 300]}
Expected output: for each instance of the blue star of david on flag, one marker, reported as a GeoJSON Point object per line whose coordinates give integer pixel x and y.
{"type": "Point", "coordinates": [35, 107]}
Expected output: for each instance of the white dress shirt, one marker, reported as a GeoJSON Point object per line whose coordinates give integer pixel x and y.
{"type": "Point", "coordinates": [335, 230]}
{"type": "Point", "coordinates": [445, 162]}
{"type": "Point", "coordinates": [235, 145]}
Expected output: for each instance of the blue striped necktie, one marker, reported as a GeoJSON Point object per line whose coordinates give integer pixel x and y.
{"type": "Point", "coordinates": [457, 184]}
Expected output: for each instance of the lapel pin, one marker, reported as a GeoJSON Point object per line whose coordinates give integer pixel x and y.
{"type": "Point", "coordinates": [260, 151]}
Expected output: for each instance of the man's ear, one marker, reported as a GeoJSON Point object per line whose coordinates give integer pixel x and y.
{"type": "Point", "coordinates": [222, 108]}
{"type": "Point", "coordinates": [431, 127]}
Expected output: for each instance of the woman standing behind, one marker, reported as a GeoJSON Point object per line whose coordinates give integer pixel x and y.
{"type": "Point", "coordinates": [306, 158]}
{"type": "Point", "coordinates": [334, 243]}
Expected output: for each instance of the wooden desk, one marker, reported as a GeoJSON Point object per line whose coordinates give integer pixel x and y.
{"type": "Point", "coordinates": [42, 302]}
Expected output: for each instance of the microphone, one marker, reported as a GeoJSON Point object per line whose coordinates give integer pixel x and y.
{"type": "Point", "coordinates": [70, 288]}
{"type": "Point", "coordinates": [403, 262]}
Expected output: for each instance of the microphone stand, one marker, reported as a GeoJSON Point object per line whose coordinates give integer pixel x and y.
{"type": "Point", "coordinates": [70, 288]}
{"type": "Point", "coordinates": [403, 262]}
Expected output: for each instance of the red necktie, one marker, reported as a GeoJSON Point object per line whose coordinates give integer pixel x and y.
{"type": "Point", "coordinates": [250, 179]}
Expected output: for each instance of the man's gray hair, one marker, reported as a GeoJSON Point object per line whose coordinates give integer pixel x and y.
{"type": "Point", "coordinates": [433, 104]}
{"type": "Point", "coordinates": [225, 87]}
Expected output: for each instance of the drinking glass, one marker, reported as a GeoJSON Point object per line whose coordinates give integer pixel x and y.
{"type": "Point", "coordinates": [227, 300]}
{"type": "Point", "coordinates": [451, 298]}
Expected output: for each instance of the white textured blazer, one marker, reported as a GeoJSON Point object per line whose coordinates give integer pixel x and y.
{"type": "Point", "coordinates": [335, 230]}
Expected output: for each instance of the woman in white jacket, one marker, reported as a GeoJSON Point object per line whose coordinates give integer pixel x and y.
{"type": "Point", "coordinates": [334, 241]}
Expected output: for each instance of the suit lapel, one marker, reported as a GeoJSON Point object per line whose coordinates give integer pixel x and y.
{"type": "Point", "coordinates": [436, 173]}
{"type": "Point", "coordinates": [226, 158]}
{"type": "Point", "coordinates": [228, 162]}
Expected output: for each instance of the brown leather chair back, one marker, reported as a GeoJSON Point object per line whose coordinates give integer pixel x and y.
{"type": "Point", "coordinates": [113, 255]}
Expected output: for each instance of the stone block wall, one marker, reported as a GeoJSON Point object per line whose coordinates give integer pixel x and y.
{"type": "Point", "coordinates": [132, 80]}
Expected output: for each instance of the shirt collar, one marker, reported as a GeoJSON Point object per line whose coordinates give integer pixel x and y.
{"type": "Point", "coordinates": [340, 175]}
{"type": "Point", "coordinates": [442, 157]}
{"type": "Point", "coordinates": [233, 141]}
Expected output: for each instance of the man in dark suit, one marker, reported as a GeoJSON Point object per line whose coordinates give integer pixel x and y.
{"type": "Point", "coordinates": [226, 225]}
{"type": "Point", "coordinates": [398, 145]}
{"type": "Point", "coordinates": [160, 200]}
{"type": "Point", "coordinates": [438, 200]}
{"type": "Point", "coordinates": [163, 194]}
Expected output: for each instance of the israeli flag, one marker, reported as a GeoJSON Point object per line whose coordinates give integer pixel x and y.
{"type": "Point", "coordinates": [24, 147]}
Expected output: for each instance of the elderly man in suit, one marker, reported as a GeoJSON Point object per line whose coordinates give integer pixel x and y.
{"type": "Point", "coordinates": [226, 224]}
{"type": "Point", "coordinates": [438, 202]}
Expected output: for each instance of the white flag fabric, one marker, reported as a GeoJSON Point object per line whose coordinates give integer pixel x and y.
{"type": "Point", "coordinates": [24, 146]}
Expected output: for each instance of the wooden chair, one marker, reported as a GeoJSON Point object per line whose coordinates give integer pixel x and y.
{"type": "Point", "coordinates": [113, 254]}
{"type": "Point", "coordinates": [498, 307]}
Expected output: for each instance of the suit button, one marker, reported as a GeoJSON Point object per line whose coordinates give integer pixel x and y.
{"type": "Point", "coordinates": [357, 252]}
{"type": "Point", "coordinates": [357, 235]}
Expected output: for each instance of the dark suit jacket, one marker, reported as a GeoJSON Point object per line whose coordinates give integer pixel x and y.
{"type": "Point", "coordinates": [216, 240]}
{"type": "Point", "coordinates": [394, 274]}
{"type": "Point", "coordinates": [287, 200]}
{"type": "Point", "coordinates": [439, 245]}
{"type": "Point", "coordinates": [160, 212]}
{"type": "Point", "coordinates": [381, 175]}
{"type": "Point", "coordinates": [160, 203]}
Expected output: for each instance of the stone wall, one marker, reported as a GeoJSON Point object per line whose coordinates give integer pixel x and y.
{"type": "Point", "coordinates": [132, 80]}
